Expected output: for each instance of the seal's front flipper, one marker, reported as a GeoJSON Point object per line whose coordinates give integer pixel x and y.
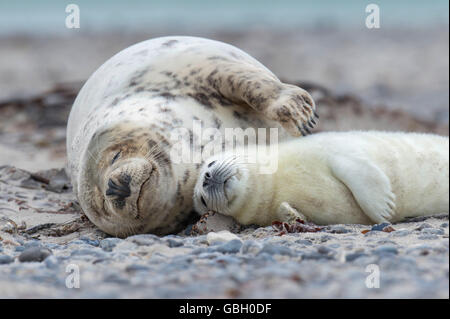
{"type": "Point", "coordinates": [291, 106]}
{"type": "Point", "coordinates": [287, 214]}
{"type": "Point", "coordinates": [369, 185]}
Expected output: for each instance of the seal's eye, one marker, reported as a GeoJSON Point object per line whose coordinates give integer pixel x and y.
{"type": "Point", "coordinates": [116, 157]}
{"type": "Point", "coordinates": [203, 201]}
{"type": "Point", "coordinates": [211, 164]}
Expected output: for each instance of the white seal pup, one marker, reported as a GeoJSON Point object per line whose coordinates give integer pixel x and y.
{"type": "Point", "coordinates": [119, 129]}
{"type": "Point", "coordinates": [329, 178]}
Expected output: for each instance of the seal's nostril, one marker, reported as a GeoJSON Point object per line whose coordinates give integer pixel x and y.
{"type": "Point", "coordinates": [121, 190]}
{"type": "Point", "coordinates": [211, 164]}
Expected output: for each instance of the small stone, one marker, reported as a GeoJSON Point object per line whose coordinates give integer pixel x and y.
{"type": "Point", "coordinates": [34, 254]}
{"type": "Point", "coordinates": [174, 243]}
{"type": "Point", "coordinates": [305, 242]}
{"type": "Point", "coordinates": [221, 237]}
{"type": "Point", "coordinates": [353, 256]}
{"type": "Point", "coordinates": [94, 252]}
{"type": "Point", "coordinates": [401, 233]}
{"type": "Point", "coordinates": [379, 227]}
{"type": "Point", "coordinates": [427, 237]}
{"type": "Point", "coordinates": [325, 238]}
{"type": "Point", "coordinates": [387, 249]}
{"type": "Point", "coordinates": [419, 250]}
{"type": "Point", "coordinates": [339, 230]}
{"type": "Point", "coordinates": [92, 242]}
{"type": "Point", "coordinates": [227, 260]}
{"type": "Point", "coordinates": [274, 249]}
{"type": "Point", "coordinates": [231, 247]}
{"type": "Point", "coordinates": [423, 226]}
{"type": "Point", "coordinates": [34, 243]}
{"type": "Point", "coordinates": [316, 256]}
{"type": "Point", "coordinates": [433, 231]}
{"type": "Point", "coordinates": [135, 268]}
{"type": "Point", "coordinates": [5, 259]}
{"type": "Point", "coordinates": [324, 250]}
{"type": "Point", "coordinates": [108, 244]}
{"type": "Point", "coordinates": [51, 262]}
{"type": "Point", "coordinates": [251, 247]}
{"type": "Point", "coordinates": [444, 225]}
{"type": "Point", "coordinates": [144, 239]}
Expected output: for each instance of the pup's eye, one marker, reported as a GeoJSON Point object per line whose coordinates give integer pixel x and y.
{"type": "Point", "coordinates": [211, 164]}
{"type": "Point", "coordinates": [116, 157]}
{"type": "Point", "coordinates": [203, 200]}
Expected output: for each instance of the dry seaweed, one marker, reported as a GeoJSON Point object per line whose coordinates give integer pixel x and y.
{"type": "Point", "coordinates": [299, 226]}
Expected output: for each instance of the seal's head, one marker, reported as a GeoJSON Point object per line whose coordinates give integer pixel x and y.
{"type": "Point", "coordinates": [127, 184]}
{"type": "Point", "coordinates": [222, 185]}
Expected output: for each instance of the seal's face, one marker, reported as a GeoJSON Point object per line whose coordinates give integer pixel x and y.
{"type": "Point", "coordinates": [221, 185]}
{"type": "Point", "coordinates": [128, 185]}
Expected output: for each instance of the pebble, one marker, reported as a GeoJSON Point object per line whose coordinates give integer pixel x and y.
{"type": "Point", "coordinates": [174, 243]}
{"type": "Point", "coordinates": [34, 254]}
{"type": "Point", "coordinates": [379, 227]}
{"type": "Point", "coordinates": [92, 242]}
{"type": "Point", "coordinates": [305, 242]}
{"type": "Point", "coordinates": [275, 249]}
{"type": "Point", "coordinates": [339, 230]}
{"type": "Point", "coordinates": [108, 244]}
{"type": "Point", "coordinates": [220, 237]}
{"type": "Point", "coordinates": [89, 252]}
{"type": "Point", "coordinates": [231, 247]}
{"type": "Point", "coordinates": [352, 256]}
{"type": "Point", "coordinates": [434, 231]}
{"type": "Point", "coordinates": [5, 259]}
{"type": "Point", "coordinates": [428, 237]}
{"type": "Point", "coordinates": [423, 226]}
{"type": "Point", "coordinates": [386, 250]}
{"type": "Point", "coordinates": [251, 247]}
{"type": "Point", "coordinates": [51, 262]}
{"type": "Point", "coordinates": [401, 233]}
{"type": "Point", "coordinates": [316, 256]}
{"type": "Point", "coordinates": [135, 268]}
{"type": "Point", "coordinates": [324, 250]}
{"type": "Point", "coordinates": [141, 240]}
{"type": "Point", "coordinates": [325, 238]}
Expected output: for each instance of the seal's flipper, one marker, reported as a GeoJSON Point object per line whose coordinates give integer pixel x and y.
{"type": "Point", "coordinates": [286, 213]}
{"type": "Point", "coordinates": [290, 105]}
{"type": "Point", "coordinates": [369, 185]}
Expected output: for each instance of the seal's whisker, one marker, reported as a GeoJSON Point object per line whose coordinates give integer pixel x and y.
{"type": "Point", "coordinates": [223, 165]}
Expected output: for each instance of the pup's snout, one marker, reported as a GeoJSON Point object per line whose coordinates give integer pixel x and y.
{"type": "Point", "coordinates": [121, 188]}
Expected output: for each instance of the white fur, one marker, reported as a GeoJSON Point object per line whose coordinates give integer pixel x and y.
{"type": "Point", "coordinates": [352, 177]}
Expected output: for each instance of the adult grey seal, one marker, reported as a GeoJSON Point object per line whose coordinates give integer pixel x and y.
{"type": "Point", "coordinates": [119, 130]}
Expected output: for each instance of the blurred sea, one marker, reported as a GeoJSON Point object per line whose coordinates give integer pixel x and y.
{"type": "Point", "coordinates": [48, 16]}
